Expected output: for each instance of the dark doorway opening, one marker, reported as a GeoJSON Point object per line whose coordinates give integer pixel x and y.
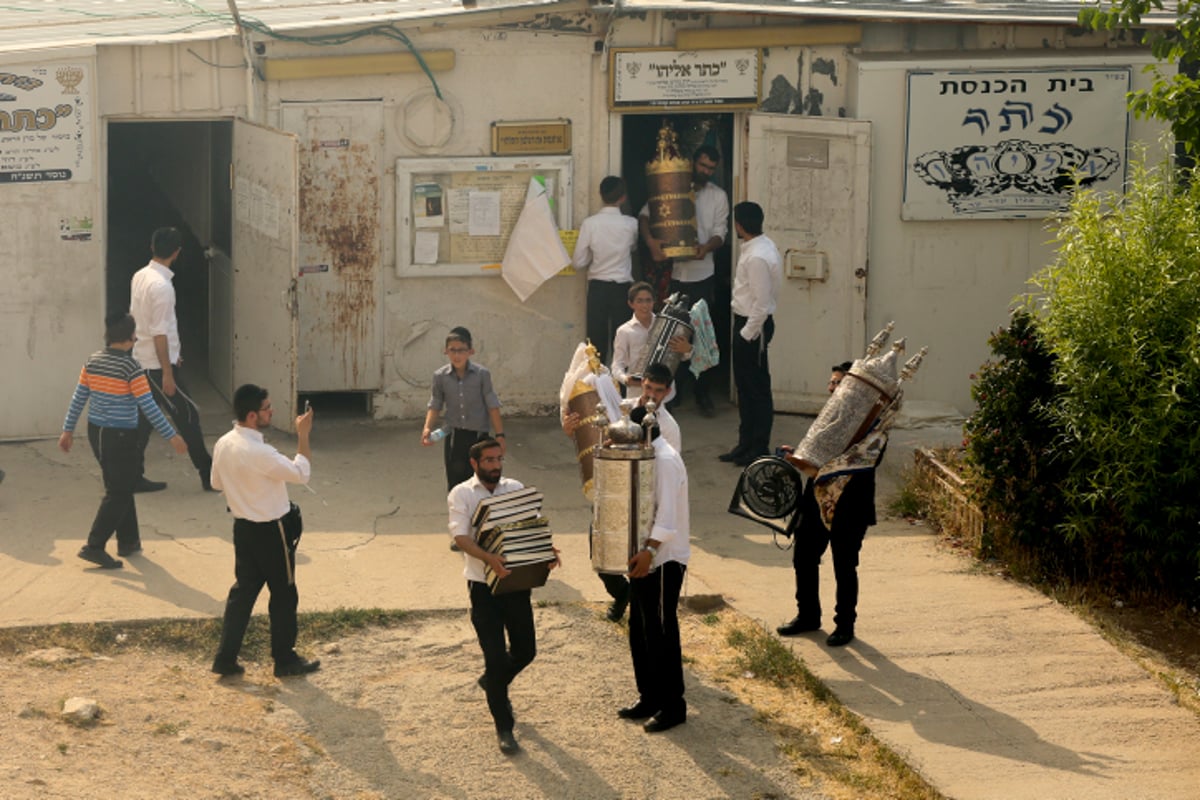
{"type": "Point", "coordinates": [173, 174]}
{"type": "Point", "coordinates": [639, 136]}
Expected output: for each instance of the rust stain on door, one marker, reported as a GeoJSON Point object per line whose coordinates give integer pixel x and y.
{"type": "Point", "coordinates": [340, 231]}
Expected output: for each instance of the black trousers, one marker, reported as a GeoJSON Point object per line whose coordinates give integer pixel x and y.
{"type": "Point", "coordinates": [493, 616]}
{"type": "Point", "coordinates": [684, 379]}
{"type": "Point", "coordinates": [752, 377]}
{"type": "Point", "coordinates": [120, 457]}
{"type": "Point", "coordinates": [184, 415]}
{"type": "Point", "coordinates": [457, 454]}
{"type": "Point", "coordinates": [654, 638]}
{"type": "Point", "coordinates": [262, 555]}
{"type": "Point", "coordinates": [607, 310]}
{"type": "Point", "coordinates": [811, 543]}
{"type": "Point", "coordinates": [617, 586]}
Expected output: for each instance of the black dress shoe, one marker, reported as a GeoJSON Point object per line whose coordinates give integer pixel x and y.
{"type": "Point", "coordinates": [664, 722]}
{"type": "Point", "coordinates": [144, 484]}
{"type": "Point", "coordinates": [126, 552]}
{"type": "Point", "coordinates": [747, 458]}
{"type": "Point", "coordinates": [97, 556]}
{"type": "Point", "coordinates": [227, 668]}
{"type": "Point", "coordinates": [617, 610]}
{"type": "Point", "coordinates": [797, 626]}
{"type": "Point", "coordinates": [638, 710]}
{"type": "Point", "coordinates": [508, 743]}
{"type": "Point", "coordinates": [840, 637]}
{"type": "Point", "coordinates": [735, 453]}
{"type": "Point", "coordinates": [299, 666]}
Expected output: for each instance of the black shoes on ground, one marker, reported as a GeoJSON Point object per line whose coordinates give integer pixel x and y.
{"type": "Point", "coordinates": [840, 637]}
{"type": "Point", "coordinates": [748, 457]}
{"type": "Point", "coordinates": [126, 552]}
{"type": "Point", "coordinates": [144, 484]}
{"type": "Point", "coordinates": [227, 669]}
{"type": "Point", "coordinates": [637, 711]}
{"type": "Point", "coordinates": [663, 722]}
{"type": "Point", "coordinates": [508, 743]}
{"type": "Point", "coordinates": [798, 626]}
{"type": "Point", "coordinates": [733, 454]}
{"type": "Point", "coordinates": [617, 610]}
{"type": "Point", "coordinates": [97, 556]}
{"type": "Point", "coordinates": [741, 456]}
{"type": "Point", "coordinates": [298, 666]}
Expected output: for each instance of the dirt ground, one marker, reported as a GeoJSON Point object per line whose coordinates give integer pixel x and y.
{"type": "Point", "coordinates": [395, 713]}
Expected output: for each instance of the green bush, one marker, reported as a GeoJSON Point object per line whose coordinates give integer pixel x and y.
{"type": "Point", "coordinates": [1014, 460]}
{"type": "Point", "coordinates": [1120, 313]}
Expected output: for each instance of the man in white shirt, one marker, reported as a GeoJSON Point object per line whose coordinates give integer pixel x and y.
{"type": "Point", "coordinates": [696, 278]}
{"type": "Point", "coordinates": [493, 615]}
{"type": "Point", "coordinates": [756, 285]}
{"type": "Point", "coordinates": [655, 581]}
{"type": "Point", "coordinates": [152, 304]}
{"type": "Point", "coordinates": [656, 387]}
{"type": "Point", "coordinates": [606, 242]}
{"type": "Point", "coordinates": [266, 529]}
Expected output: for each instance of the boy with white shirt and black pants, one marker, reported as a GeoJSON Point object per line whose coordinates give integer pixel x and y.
{"type": "Point", "coordinates": [605, 247]}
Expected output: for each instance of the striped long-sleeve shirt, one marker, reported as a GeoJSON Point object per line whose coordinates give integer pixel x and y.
{"type": "Point", "coordinates": [117, 387]}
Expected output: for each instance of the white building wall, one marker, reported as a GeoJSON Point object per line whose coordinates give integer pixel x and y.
{"type": "Point", "coordinates": [949, 284]}
{"type": "Point", "coordinates": [506, 74]}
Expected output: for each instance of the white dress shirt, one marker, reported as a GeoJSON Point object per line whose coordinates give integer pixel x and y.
{"type": "Point", "coordinates": [462, 501]}
{"type": "Point", "coordinates": [756, 284]}
{"type": "Point", "coordinates": [254, 475]}
{"type": "Point", "coordinates": [671, 518]}
{"type": "Point", "coordinates": [152, 304]}
{"type": "Point", "coordinates": [606, 242]}
{"type": "Point", "coordinates": [712, 219]}
{"type": "Point", "coordinates": [628, 343]}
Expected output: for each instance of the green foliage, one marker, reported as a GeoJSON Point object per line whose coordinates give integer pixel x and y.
{"type": "Point", "coordinates": [1121, 317]}
{"type": "Point", "coordinates": [1174, 98]}
{"type": "Point", "coordinates": [1013, 449]}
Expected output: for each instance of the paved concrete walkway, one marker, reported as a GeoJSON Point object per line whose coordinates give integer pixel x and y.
{"type": "Point", "coordinates": [989, 689]}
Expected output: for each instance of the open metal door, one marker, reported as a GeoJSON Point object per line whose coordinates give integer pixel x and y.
{"type": "Point", "coordinates": [811, 176]}
{"type": "Point", "coordinates": [265, 234]}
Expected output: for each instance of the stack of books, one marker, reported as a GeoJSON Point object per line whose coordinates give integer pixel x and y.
{"type": "Point", "coordinates": [512, 525]}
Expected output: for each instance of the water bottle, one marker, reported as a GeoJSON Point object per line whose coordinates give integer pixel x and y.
{"type": "Point", "coordinates": [439, 434]}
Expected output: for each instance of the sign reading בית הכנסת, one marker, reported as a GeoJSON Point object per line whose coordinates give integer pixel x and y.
{"type": "Point", "coordinates": [684, 80]}
{"type": "Point", "coordinates": [1011, 144]}
{"type": "Point", "coordinates": [45, 123]}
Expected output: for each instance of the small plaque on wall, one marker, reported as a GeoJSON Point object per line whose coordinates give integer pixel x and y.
{"type": "Point", "coordinates": [544, 137]}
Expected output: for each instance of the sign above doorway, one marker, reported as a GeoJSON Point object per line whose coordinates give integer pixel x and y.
{"type": "Point", "coordinates": [654, 80]}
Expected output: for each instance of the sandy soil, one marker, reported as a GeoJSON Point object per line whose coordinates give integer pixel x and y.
{"type": "Point", "coordinates": [396, 713]}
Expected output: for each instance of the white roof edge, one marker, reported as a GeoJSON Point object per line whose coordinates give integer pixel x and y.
{"type": "Point", "coordinates": [849, 12]}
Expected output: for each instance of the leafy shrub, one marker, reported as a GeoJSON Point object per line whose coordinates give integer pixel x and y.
{"type": "Point", "coordinates": [1013, 449]}
{"type": "Point", "coordinates": [1121, 317]}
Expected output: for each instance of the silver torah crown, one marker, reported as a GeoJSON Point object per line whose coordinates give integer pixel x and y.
{"type": "Point", "coordinates": [868, 399]}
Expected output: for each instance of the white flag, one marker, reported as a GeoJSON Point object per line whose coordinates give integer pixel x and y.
{"type": "Point", "coordinates": [535, 252]}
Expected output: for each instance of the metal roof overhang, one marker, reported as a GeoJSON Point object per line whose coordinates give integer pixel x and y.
{"type": "Point", "coordinates": [34, 25]}
{"type": "Point", "coordinates": [1047, 12]}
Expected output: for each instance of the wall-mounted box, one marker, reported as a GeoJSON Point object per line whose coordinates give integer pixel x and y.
{"type": "Point", "coordinates": [806, 265]}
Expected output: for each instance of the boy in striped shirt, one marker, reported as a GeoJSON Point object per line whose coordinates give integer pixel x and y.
{"type": "Point", "coordinates": [117, 387]}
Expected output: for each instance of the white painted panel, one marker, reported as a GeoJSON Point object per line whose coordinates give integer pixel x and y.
{"type": "Point", "coordinates": [339, 292]}
{"type": "Point", "coordinates": [810, 176]}
{"type": "Point", "coordinates": [265, 232]}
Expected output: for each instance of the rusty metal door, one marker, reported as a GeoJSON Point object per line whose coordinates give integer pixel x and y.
{"type": "Point", "coordinates": [265, 203]}
{"type": "Point", "coordinates": [341, 146]}
{"type": "Point", "coordinates": [810, 175]}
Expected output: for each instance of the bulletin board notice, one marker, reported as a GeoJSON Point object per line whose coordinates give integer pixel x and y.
{"type": "Point", "coordinates": [454, 215]}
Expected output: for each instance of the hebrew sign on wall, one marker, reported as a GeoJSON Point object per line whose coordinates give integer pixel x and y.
{"type": "Point", "coordinates": [1010, 144]}
{"type": "Point", "coordinates": [45, 123]}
